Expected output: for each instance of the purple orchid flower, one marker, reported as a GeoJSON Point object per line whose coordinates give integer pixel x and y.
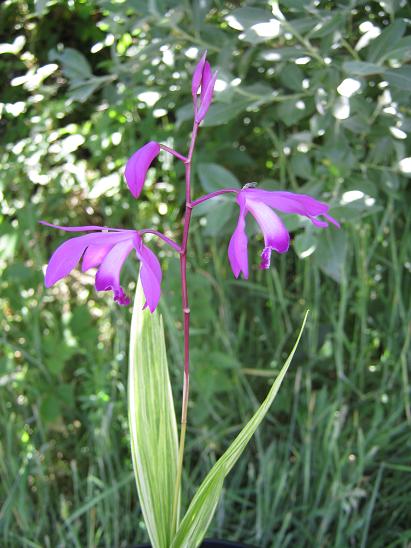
{"type": "Point", "coordinates": [203, 78]}
{"type": "Point", "coordinates": [107, 249]}
{"type": "Point", "coordinates": [259, 202]}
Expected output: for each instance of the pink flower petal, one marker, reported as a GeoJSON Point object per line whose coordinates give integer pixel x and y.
{"type": "Point", "coordinates": [206, 100]}
{"type": "Point", "coordinates": [108, 275]}
{"type": "Point", "coordinates": [94, 255]}
{"type": "Point", "coordinates": [150, 275]}
{"type": "Point", "coordinates": [197, 78]}
{"type": "Point", "coordinates": [275, 234]}
{"type": "Point", "coordinates": [290, 202]}
{"type": "Point", "coordinates": [68, 254]}
{"type": "Point", "coordinates": [138, 165]}
{"type": "Point", "coordinates": [207, 75]}
{"type": "Point", "coordinates": [82, 228]}
{"type": "Point", "coordinates": [237, 249]}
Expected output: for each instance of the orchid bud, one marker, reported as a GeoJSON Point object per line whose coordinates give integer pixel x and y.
{"type": "Point", "coordinates": [197, 78]}
{"type": "Point", "coordinates": [202, 77]}
{"type": "Point", "coordinates": [206, 99]}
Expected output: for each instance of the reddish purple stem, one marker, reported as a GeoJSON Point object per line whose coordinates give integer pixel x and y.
{"type": "Point", "coordinates": [213, 195]}
{"type": "Point", "coordinates": [174, 153]}
{"type": "Point", "coordinates": [168, 241]}
{"type": "Point", "coordinates": [183, 269]}
{"type": "Point", "coordinates": [186, 325]}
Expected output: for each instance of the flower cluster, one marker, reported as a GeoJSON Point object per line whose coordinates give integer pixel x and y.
{"type": "Point", "coordinates": [108, 248]}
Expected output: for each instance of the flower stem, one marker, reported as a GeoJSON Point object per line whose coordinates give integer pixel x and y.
{"type": "Point", "coordinates": [174, 153]}
{"type": "Point", "coordinates": [213, 195]}
{"type": "Point", "coordinates": [186, 316]}
{"type": "Point", "coordinates": [160, 235]}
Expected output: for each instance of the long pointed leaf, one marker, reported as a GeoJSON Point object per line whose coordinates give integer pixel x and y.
{"type": "Point", "coordinates": [201, 510]}
{"type": "Point", "coordinates": [153, 427]}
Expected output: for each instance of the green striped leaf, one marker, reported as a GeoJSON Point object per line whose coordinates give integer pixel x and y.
{"type": "Point", "coordinates": [201, 510]}
{"type": "Point", "coordinates": [153, 427]}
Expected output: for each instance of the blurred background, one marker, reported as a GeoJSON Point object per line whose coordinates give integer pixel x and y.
{"type": "Point", "coordinates": [312, 96]}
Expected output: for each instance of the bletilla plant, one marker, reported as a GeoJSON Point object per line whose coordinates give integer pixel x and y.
{"type": "Point", "coordinates": [157, 454]}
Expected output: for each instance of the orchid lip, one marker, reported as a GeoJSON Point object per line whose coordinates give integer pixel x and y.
{"type": "Point", "coordinates": [265, 258]}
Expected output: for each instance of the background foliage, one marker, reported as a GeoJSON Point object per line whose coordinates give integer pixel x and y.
{"type": "Point", "coordinates": [86, 83]}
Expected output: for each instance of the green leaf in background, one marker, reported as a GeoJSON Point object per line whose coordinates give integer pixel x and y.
{"type": "Point", "coordinates": [401, 52]}
{"type": "Point", "coordinates": [291, 111]}
{"type": "Point", "coordinates": [305, 244]}
{"type": "Point", "coordinates": [331, 254]}
{"type": "Point", "coordinates": [153, 427]}
{"type": "Point", "coordinates": [50, 408]}
{"type": "Point", "coordinates": [301, 165]}
{"type": "Point", "coordinates": [258, 25]}
{"type": "Point", "coordinates": [361, 68]}
{"type": "Point", "coordinates": [400, 77]}
{"type": "Point", "coordinates": [386, 41]}
{"type": "Point", "coordinates": [201, 510]}
{"type": "Point", "coordinates": [220, 113]}
{"type": "Point", "coordinates": [83, 90]}
{"type": "Point", "coordinates": [328, 26]}
{"type": "Point", "coordinates": [217, 214]}
{"type": "Point", "coordinates": [77, 70]}
{"type": "Point", "coordinates": [281, 54]}
{"type": "Point", "coordinates": [292, 77]}
{"type": "Point", "coordinates": [218, 219]}
{"type": "Point", "coordinates": [215, 177]}
{"type": "Point", "coordinates": [73, 63]}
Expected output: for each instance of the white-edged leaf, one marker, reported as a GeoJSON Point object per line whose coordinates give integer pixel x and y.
{"type": "Point", "coordinates": [153, 427]}
{"type": "Point", "coordinates": [194, 524]}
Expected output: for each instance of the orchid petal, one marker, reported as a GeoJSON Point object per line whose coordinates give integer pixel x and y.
{"type": "Point", "coordinates": [332, 220]}
{"type": "Point", "coordinates": [275, 234]}
{"type": "Point", "coordinates": [206, 100]}
{"type": "Point", "coordinates": [207, 75]}
{"type": "Point", "coordinates": [197, 78]}
{"type": "Point", "coordinates": [237, 249]}
{"type": "Point", "coordinates": [150, 275]}
{"type": "Point", "coordinates": [108, 275]}
{"type": "Point", "coordinates": [290, 202]}
{"type": "Point", "coordinates": [94, 255]}
{"type": "Point", "coordinates": [138, 165]}
{"type": "Point", "coordinates": [318, 222]}
{"type": "Point", "coordinates": [82, 228]}
{"type": "Point", "coordinates": [68, 254]}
